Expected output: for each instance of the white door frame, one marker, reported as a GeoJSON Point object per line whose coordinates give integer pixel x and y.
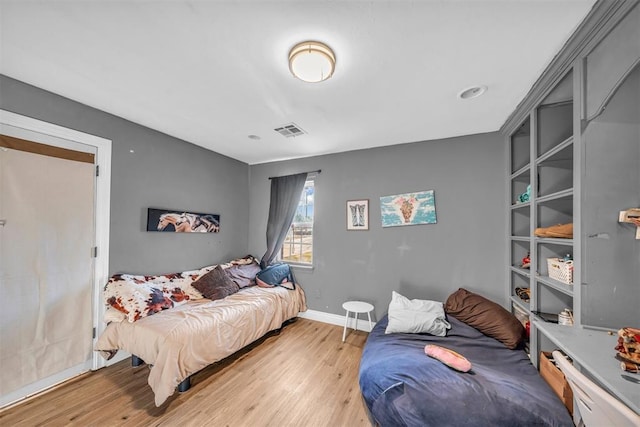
{"type": "Point", "coordinates": [102, 205]}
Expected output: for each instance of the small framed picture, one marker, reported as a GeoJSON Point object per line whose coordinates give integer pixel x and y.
{"type": "Point", "coordinates": [358, 215]}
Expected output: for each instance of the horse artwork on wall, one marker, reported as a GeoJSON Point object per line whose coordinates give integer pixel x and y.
{"type": "Point", "coordinates": [182, 222]}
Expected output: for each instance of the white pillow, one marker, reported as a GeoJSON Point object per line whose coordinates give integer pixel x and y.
{"type": "Point", "coordinates": [416, 316]}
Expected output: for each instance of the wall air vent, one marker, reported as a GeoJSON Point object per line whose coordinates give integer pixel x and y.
{"type": "Point", "coordinates": [290, 130]}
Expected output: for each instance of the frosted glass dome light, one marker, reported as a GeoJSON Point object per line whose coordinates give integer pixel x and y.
{"type": "Point", "coordinates": [312, 62]}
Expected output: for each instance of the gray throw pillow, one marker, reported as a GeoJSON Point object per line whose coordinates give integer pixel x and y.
{"type": "Point", "coordinates": [215, 284]}
{"type": "Point", "coordinates": [244, 275]}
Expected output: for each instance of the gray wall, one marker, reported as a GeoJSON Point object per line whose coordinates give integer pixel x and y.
{"type": "Point", "coordinates": [464, 249]}
{"type": "Point", "coordinates": [611, 183]}
{"type": "Point", "coordinates": [163, 172]}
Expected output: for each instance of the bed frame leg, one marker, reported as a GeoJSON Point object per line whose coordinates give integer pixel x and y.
{"type": "Point", "coordinates": [184, 385]}
{"type": "Point", "coordinates": [136, 361]}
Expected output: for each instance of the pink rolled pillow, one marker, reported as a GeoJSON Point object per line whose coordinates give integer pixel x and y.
{"type": "Point", "coordinates": [448, 357]}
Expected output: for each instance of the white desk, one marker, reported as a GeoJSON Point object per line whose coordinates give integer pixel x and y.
{"type": "Point", "coordinates": [594, 351]}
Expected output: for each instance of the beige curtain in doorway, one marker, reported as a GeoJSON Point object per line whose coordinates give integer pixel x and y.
{"type": "Point", "coordinates": [46, 267]}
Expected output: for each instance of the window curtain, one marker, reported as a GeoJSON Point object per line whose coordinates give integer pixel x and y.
{"type": "Point", "coordinates": [285, 196]}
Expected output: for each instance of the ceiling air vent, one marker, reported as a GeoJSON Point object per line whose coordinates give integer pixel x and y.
{"type": "Point", "coordinates": [290, 130]}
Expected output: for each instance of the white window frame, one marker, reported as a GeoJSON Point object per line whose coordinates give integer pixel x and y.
{"type": "Point", "coordinates": [310, 178]}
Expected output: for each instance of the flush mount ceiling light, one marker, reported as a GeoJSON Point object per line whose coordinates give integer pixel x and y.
{"type": "Point", "coordinates": [472, 92]}
{"type": "Point", "coordinates": [312, 62]}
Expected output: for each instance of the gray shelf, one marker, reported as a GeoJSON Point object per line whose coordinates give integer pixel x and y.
{"type": "Point", "coordinates": [594, 351]}
{"type": "Point", "coordinates": [521, 271]}
{"type": "Point", "coordinates": [536, 319]}
{"type": "Point", "coordinates": [520, 172]}
{"type": "Point", "coordinates": [551, 176]}
{"type": "Point", "coordinates": [547, 240]}
{"type": "Point", "coordinates": [566, 193]}
{"type": "Point", "coordinates": [520, 205]}
{"type": "Point", "coordinates": [555, 284]}
{"type": "Point", "coordinates": [555, 150]}
{"type": "Point", "coordinates": [523, 305]}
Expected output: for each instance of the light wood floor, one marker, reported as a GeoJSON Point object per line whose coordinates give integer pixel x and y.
{"type": "Point", "coordinates": [302, 376]}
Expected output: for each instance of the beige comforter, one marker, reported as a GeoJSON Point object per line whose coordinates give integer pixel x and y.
{"type": "Point", "coordinates": [183, 340]}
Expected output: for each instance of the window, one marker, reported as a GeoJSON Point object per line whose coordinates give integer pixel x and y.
{"type": "Point", "coordinates": [298, 245]}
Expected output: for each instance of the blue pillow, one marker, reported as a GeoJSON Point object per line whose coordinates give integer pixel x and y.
{"type": "Point", "coordinates": [276, 275]}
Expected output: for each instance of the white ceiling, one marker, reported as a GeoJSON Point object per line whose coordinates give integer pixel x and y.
{"type": "Point", "coordinates": [214, 72]}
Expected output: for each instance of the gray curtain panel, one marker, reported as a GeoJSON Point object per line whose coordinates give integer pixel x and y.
{"type": "Point", "coordinates": [285, 196]}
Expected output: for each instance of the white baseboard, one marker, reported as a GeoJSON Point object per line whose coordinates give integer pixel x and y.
{"type": "Point", "coordinates": [336, 319]}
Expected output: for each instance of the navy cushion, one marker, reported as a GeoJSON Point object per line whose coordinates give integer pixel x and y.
{"type": "Point", "coordinates": [276, 275]}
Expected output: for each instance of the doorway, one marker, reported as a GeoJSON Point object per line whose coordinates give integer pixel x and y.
{"type": "Point", "coordinates": [53, 255]}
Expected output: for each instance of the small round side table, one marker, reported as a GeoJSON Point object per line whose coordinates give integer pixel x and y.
{"type": "Point", "coordinates": [356, 307]}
